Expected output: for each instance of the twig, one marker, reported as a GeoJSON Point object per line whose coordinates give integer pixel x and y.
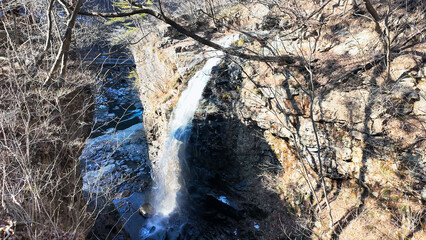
{"type": "Point", "coordinates": [282, 59]}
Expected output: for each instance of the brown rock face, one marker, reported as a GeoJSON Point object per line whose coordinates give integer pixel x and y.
{"type": "Point", "coordinates": [257, 129]}
{"type": "Point", "coordinates": [404, 65]}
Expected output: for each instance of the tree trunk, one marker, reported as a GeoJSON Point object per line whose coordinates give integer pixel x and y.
{"type": "Point", "coordinates": [62, 57]}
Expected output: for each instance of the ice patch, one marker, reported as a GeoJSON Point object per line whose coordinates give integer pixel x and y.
{"type": "Point", "coordinates": [224, 200]}
{"type": "Point", "coordinates": [256, 226]}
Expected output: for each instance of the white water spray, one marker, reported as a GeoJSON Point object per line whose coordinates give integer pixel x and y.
{"type": "Point", "coordinates": [168, 171]}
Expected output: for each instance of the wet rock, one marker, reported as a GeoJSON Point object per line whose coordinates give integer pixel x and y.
{"type": "Point", "coordinates": [173, 234]}
{"type": "Point", "coordinates": [146, 210]}
{"type": "Point", "coordinates": [255, 212]}
{"type": "Point", "coordinates": [115, 155]}
{"type": "Point", "coordinates": [188, 231]}
{"type": "Point", "coordinates": [160, 234]}
{"type": "Point", "coordinates": [214, 208]}
{"type": "Point", "coordinates": [242, 186]}
{"type": "Point", "coordinates": [144, 185]}
{"type": "Point", "coordinates": [126, 193]}
{"type": "Point", "coordinates": [108, 224]}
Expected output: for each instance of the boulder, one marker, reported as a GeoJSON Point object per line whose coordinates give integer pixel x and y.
{"type": "Point", "coordinates": [403, 65]}
{"type": "Point", "coordinates": [146, 210]}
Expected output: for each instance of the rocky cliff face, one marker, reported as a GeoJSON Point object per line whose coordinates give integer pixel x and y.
{"type": "Point", "coordinates": [255, 136]}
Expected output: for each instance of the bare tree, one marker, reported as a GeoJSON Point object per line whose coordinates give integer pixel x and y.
{"type": "Point", "coordinates": [42, 131]}
{"type": "Point", "coordinates": [160, 15]}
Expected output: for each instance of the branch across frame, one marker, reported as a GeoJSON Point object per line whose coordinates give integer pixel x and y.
{"type": "Point", "coordinates": [280, 59]}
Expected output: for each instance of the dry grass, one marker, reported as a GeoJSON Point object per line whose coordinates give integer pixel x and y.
{"type": "Point", "coordinates": [42, 134]}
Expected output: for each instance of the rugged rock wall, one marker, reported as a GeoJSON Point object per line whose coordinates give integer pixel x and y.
{"type": "Point", "coordinates": [254, 142]}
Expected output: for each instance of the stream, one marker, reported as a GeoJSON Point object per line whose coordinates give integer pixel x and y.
{"type": "Point", "coordinates": [115, 163]}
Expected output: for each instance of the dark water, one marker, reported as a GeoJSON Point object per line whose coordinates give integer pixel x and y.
{"type": "Point", "coordinates": [115, 161]}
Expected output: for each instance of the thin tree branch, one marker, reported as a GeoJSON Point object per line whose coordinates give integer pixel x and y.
{"type": "Point", "coordinates": [48, 37]}
{"type": "Point", "coordinates": [372, 10]}
{"type": "Point", "coordinates": [283, 59]}
{"type": "Point", "coordinates": [314, 128]}
{"type": "Point", "coordinates": [375, 16]}
{"type": "Point", "coordinates": [66, 6]}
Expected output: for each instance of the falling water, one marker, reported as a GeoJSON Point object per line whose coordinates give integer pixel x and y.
{"type": "Point", "coordinates": [168, 170]}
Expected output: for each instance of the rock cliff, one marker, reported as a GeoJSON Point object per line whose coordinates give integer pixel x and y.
{"type": "Point", "coordinates": [259, 128]}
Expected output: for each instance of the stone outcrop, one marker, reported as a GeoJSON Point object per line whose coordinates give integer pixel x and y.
{"type": "Point", "coordinates": [253, 138]}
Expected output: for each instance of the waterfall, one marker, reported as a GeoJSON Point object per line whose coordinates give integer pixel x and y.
{"type": "Point", "coordinates": [168, 170]}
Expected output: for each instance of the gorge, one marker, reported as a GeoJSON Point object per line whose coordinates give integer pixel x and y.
{"type": "Point", "coordinates": [244, 161]}
{"type": "Point", "coordinates": [213, 120]}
